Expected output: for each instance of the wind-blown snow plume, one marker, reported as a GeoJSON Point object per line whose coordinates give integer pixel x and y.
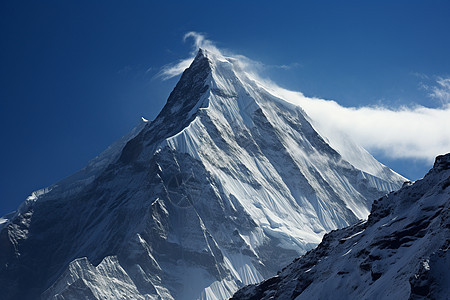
{"type": "Point", "coordinates": [414, 131]}
{"type": "Point", "coordinates": [174, 69]}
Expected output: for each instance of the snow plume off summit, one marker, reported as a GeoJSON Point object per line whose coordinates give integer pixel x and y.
{"type": "Point", "coordinates": [228, 184]}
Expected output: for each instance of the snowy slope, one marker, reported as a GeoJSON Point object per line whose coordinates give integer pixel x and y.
{"type": "Point", "coordinates": [226, 185]}
{"type": "Point", "coordinates": [401, 252]}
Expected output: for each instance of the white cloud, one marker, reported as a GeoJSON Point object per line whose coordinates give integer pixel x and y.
{"type": "Point", "coordinates": [441, 91]}
{"type": "Point", "coordinates": [287, 67]}
{"type": "Point", "coordinates": [405, 132]}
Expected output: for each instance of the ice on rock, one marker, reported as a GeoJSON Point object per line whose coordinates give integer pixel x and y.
{"type": "Point", "coordinates": [401, 252]}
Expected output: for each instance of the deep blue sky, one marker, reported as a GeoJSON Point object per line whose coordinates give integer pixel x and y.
{"type": "Point", "coordinates": [75, 75]}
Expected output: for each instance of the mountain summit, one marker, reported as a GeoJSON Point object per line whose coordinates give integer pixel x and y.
{"type": "Point", "coordinates": [227, 184]}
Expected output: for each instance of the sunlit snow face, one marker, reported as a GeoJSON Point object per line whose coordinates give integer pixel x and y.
{"type": "Point", "coordinates": [414, 132]}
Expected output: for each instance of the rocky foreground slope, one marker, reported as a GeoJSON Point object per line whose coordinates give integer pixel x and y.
{"type": "Point", "coordinates": [400, 252]}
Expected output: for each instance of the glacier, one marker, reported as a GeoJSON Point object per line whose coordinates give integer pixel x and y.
{"type": "Point", "coordinates": [226, 185]}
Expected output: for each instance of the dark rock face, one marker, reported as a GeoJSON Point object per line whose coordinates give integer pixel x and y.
{"type": "Point", "coordinates": [441, 163]}
{"type": "Point", "coordinates": [431, 281]}
{"type": "Point", "coordinates": [401, 252]}
{"type": "Point", "coordinates": [41, 241]}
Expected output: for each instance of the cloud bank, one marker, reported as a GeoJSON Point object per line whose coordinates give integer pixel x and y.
{"type": "Point", "coordinates": [414, 131]}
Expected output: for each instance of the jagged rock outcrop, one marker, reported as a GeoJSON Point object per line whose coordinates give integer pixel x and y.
{"type": "Point", "coordinates": [401, 252]}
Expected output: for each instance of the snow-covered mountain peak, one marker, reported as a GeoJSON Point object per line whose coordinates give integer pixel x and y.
{"type": "Point", "coordinates": [226, 184]}
{"type": "Point", "coordinates": [184, 98]}
{"type": "Point", "coordinates": [232, 78]}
